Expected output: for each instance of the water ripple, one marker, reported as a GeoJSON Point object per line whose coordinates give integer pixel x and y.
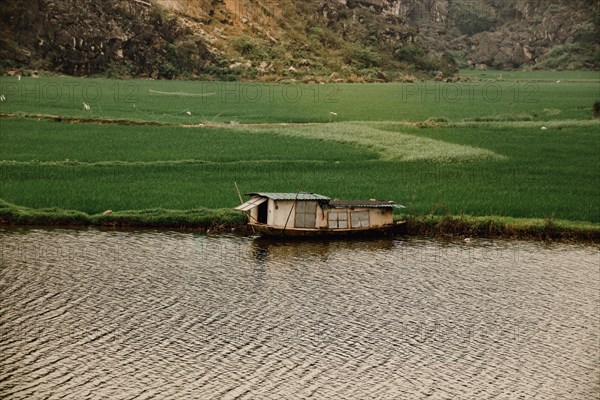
{"type": "Point", "coordinates": [87, 314]}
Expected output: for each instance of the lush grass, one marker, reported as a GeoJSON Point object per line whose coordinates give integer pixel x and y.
{"type": "Point", "coordinates": [532, 76]}
{"type": "Point", "coordinates": [494, 226]}
{"type": "Point", "coordinates": [202, 218]}
{"type": "Point", "coordinates": [519, 171]}
{"type": "Point", "coordinates": [463, 158]}
{"type": "Point", "coordinates": [26, 140]}
{"type": "Point", "coordinates": [219, 102]}
{"type": "Point", "coordinates": [389, 144]}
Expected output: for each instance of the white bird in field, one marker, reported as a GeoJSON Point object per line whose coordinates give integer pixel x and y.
{"type": "Point", "coordinates": [544, 128]}
{"type": "Point", "coordinates": [558, 81]}
{"type": "Point", "coordinates": [332, 113]}
{"type": "Point", "coordinates": [18, 77]}
{"type": "Point", "coordinates": [2, 98]}
{"type": "Point", "coordinates": [188, 113]}
{"type": "Point", "coordinates": [86, 107]}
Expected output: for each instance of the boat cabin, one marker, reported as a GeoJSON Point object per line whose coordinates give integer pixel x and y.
{"type": "Point", "coordinates": [310, 211]}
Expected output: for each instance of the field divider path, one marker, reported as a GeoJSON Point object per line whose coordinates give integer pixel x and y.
{"type": "Point", "coordinates": [128, 122]}
{"type": "Point", "coordinates": [121, 163]}
{"type": "Point", "coordinates": [373, 124]}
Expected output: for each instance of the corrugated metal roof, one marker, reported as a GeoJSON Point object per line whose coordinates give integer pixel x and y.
{"type": "Point", "coordinates": [290, 196]}
{"type": "Point", "coordinates": [250, 204]}
{"type": "Point", "coordinates": [365, 203]}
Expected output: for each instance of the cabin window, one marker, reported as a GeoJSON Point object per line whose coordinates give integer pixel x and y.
{"type": "Point", "coordinates": [306, 214]}
{"type": "Point", "coordinates": [338, 220]}
{"type": "Point", "coordinates": [360, 219]}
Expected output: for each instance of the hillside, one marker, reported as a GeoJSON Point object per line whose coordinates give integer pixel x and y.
{"type": "Point", "coordinates": [538, 34]}
{"type": "Point", "coordinates": [350, 40]}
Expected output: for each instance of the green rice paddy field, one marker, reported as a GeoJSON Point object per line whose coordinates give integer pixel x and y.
{"type": "Point", "coordinates": [491, 146]}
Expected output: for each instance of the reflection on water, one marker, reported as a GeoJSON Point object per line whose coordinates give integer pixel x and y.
{"type": "Point", "coordinates": [119, 315]}
{"type": "Point", "coordinates": [264, 249]}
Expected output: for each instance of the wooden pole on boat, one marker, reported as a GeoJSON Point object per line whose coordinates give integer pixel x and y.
{"type": "Point", "coordinates": [293, 205]}
{"type": "Point", "coordinates": [242, 202]}
{"type": "Point", "coordinates": [238, 192]}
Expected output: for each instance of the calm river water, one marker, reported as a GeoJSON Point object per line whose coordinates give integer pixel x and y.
{"type": "Point", "coordinates": [88, 314]}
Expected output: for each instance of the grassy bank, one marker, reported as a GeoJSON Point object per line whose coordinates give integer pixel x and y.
{"type": "Point", "coordinates": [202, 219]}
{"type": "Point", "coordinates": [505, 227]}
{"type": "Point", "coordinates": [227, 220]}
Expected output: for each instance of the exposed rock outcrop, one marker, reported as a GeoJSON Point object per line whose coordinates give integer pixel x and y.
{"type": "Point", "coordinates": [507, 33]}
{"type": "Point", "coordinates": [372, 39]}
{"type": "Point", "coordinates": [83, 38]}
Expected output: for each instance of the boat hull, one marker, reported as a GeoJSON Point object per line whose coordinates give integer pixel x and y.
{"type": "Point", "coordinates": [398, 228]}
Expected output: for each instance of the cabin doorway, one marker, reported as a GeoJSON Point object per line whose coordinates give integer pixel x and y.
{"type": "Point", "coordinates": [306, 214]}
{"type": "Point", "coordinates": [263, 211]}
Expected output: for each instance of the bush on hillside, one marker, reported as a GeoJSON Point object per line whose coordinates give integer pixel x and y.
{"type": "Point", "coordinates": [362, 57]}
{"type": "Point", "coordinates": [471, 18]}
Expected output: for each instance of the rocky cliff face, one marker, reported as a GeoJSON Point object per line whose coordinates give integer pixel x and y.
{"type": "Point", "coordinates": [500, 33]}
{"type": "Point", "coordinates": [509, 33]}
{"type": "Point", "coordinates": [91, 37]}
{"type": "Point", "coordinates": [268, 39]}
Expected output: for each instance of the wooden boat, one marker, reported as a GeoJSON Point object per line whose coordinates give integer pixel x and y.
{"type": "Point", "coordinates": [306, 214]}
{"type": "Point", "coordinates": [397, 228]}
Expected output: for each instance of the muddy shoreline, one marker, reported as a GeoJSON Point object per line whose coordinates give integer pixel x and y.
{"type": "Point", "coordinates": [424, 226]}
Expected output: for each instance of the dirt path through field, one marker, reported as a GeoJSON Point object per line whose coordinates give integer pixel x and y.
{"type": "Point", "coordinates": [109, 121]}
